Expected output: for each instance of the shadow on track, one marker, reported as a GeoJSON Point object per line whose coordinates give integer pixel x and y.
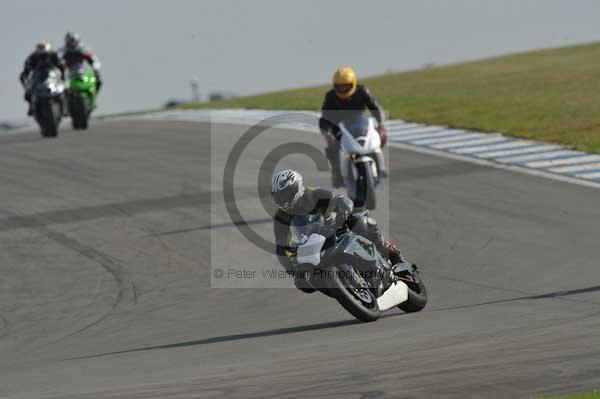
{"type": "Point", "coordinates": [117, 209]}
{"type": "Point", "coordinates": [237, 337]}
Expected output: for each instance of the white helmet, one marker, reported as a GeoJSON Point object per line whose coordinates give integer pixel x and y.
{"type": "Point", "coordinates": [287, 188]}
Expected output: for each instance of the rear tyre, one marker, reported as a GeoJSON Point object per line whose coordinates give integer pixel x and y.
{"type": "Point", "coordinates": [417, 295]}
{"type": "Point", "coordinates": [365, 186]}
{"type": "Point", "coordinates": [353, 293]}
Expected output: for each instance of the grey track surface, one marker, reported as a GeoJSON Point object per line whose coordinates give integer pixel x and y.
{"type": "Point", "coordinates": [510, 260]}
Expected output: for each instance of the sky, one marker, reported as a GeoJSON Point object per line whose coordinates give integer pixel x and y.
{"type": "Point", "coordinates": [150, 50]}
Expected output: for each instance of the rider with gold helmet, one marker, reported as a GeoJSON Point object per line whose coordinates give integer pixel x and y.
{"type": "Point", "coordinates": [341, 102]}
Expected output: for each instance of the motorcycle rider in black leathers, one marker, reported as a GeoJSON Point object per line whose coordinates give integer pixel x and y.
{"type": "Point", "coordinates": [341, 102]}
{"type": "Point", "coordinates": [293, 198]}
{"type": "Point", "coordinates": [75, 53]}
{"type": "Point", "coordinates": [43, 56]}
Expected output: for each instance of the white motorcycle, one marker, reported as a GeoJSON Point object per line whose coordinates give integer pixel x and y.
{"type": "Point", "coordinates": [361, 159]}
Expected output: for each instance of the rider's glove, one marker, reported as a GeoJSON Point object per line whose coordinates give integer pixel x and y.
{"type": "Point", "coordinates": [383, 134]}
{"type": "Point", "coordinates": [337, 134]}
{"type": "Point", "coordinates": [333, 136]}
{"type": "Point", "coordinates": [343, 207]}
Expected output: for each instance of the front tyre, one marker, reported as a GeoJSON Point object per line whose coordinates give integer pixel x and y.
{"type": "Point", "coordinates": [47, 115]}
{"type": "Point", "coordinates": [80, 111]}
{"type": "Point", "coordinates": [351, 290]}
{"type": "Point", "coordinates": [417, 294]}
{"type": "Point", "coordinates": [365, 186]}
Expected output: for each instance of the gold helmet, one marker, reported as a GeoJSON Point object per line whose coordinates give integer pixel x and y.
{"type": "Point", "coordinates": [344, 82]}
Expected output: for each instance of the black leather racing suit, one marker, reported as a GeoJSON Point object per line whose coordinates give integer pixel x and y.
{"type": "Point", "coordinates": [35, 61]}
{"type": "Point", "coordinates": [314, 201]}
{"type": "Point", "coordinates": [335, 110]}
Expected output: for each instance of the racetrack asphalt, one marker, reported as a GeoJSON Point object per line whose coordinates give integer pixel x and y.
{"type": "Point", "coordinates": [106, 239]}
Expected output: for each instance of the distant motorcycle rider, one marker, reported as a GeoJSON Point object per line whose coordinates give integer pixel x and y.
{"type": "Point", "coordinates": [346, 98]}
{"type": "Point", "coordinates": [293, 198]}
{"type": "Point", "coordinates": [43, 56]}
{"type": "Point", "coordinates": [74, 53]}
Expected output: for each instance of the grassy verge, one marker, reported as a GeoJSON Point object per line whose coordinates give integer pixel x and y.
{"type": "Point", "coordinates": [551, 95]}
{"type": "Point", "coordinates": [584, 395]}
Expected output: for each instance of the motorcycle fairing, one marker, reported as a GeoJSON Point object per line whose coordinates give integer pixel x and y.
{"type": "Point", "coordinates": [357, 142]}
{"type": "Point", "coordinates": [310, 251]}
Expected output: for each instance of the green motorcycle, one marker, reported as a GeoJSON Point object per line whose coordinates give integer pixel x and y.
{"type": "Point", "coordinates": [82, 95]}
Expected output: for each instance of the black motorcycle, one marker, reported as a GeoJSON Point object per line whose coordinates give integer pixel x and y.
{"type": "Point", "coordinates": [336, 258]}
{"type": "Point", "coordinates": [47, 99]}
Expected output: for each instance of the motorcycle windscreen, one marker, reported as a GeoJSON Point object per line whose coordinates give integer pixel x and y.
{"type": "Point", "coordinates": [78, 70]}
{"type": "Point", "coordinates": [302, 226]}
{"type": "Point", "coordinates": [361, 137]}
{"type": "Point", "coordinates": [357, 126]}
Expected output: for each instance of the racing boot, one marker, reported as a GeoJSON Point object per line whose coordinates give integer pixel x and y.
{"type": "Point", "coordinates": [332, 152]}
{"type": "Point", "coordinates": [392, 252]}
{"type": "Point", "coordinates": [387, 248]}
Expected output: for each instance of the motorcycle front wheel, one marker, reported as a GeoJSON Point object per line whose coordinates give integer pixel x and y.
{"type": "Point", "coordinates": [47, 115]}
{"type": "Point", "coordinates": [80, 111]}
{"type": "Point", "coordinates": [365, 186]}
{"type": "Point", "coordinates": [351, 290]}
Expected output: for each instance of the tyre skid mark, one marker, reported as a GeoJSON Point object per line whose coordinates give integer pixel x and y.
{"type": "Point", "coordinates": [94, 212]}
{"type": "Point", "coordinates": [558, 295]}
{"type": "Point", "coordinates": [3, 326]}
{"type": "Point", "coordinates": [119, 273]}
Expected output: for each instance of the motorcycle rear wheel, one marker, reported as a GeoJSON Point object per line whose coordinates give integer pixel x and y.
{"type": "Point", "coordinates": [417, 295]}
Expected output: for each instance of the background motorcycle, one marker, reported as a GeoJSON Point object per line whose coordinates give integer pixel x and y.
{"type": "Point", "coordinates": [82, 95]}
{"type": "Point", "coordinates": [47, 99]}
{"type": "Point", "coordinates": [343, 264]}
{"type": "Point", "coordinates": [361, 159]}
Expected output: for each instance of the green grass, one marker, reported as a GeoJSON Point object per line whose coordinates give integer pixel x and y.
{"type": "Point", "coordinates": [551, 95]}
{"type": "Point", "coordinates": [586, 395]}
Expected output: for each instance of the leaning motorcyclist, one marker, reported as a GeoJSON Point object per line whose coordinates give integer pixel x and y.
{"type": "Point", "coordinates": [74, 53]}
{"type": "Point", "coordinates": [43, 56]}
{"type": "Point", "coordinates": [293, 198]}
{"type": "Point", "coordinates": [345, 99]}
